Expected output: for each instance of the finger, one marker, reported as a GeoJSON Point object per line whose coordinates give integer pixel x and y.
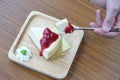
{"type": "Point", "coordinates": [99, 18]}
{"type": "Point", "coordinates": [118, 20]}
{"type": "Point", "coordinates": [117, 23]}
{"type": "Point", "coordinates": [110, 18]}
{"type": "Point", "coordinates": [108, 35]}
{"type": "Point", "coordinates": [93, 24]}
{"type": "Point", "coordinates": [118, 17]}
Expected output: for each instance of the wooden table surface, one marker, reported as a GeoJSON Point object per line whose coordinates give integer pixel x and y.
{"type": "Point", "coordinates": [97, 58]}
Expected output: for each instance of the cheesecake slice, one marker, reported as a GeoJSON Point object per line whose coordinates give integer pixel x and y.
{"type": "Point", "coordinates": [64, 26]}
{"type": "Point", "coordinates": [47, 41]}
{"type": "Point", "coordinates": [50, 42]}
{"type": "Point", "coordinates": [36, 34]}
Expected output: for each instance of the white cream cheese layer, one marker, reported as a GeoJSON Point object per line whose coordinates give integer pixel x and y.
{"type": "Point", "coordinates": [61, 25]}
{"type": "Point", "coordinates": [49, 52]}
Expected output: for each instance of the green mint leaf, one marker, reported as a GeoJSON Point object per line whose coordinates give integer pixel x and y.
{"type": "Point", "coordinates": [24, 52]}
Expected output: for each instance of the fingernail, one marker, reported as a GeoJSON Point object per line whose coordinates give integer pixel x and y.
{"type": "Point", "coordinates": [106, 28]}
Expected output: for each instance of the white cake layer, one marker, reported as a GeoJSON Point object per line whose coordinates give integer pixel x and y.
{"type": "Point", "coordinates": [61, 25]}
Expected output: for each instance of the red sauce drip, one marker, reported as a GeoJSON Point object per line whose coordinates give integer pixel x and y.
{"type": "Point", "coordinates": [69, 28]}
{"type": "Point", "coordinates": [48, 38]}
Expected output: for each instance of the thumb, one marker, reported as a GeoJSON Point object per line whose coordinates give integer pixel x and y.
{"type": "Point", "coordinates": [109, 21]}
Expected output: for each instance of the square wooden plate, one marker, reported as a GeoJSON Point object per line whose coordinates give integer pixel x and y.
{"type": "Point", "coordinates": [56, 68]}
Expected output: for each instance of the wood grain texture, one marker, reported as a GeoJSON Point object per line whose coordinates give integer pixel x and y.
{"type": "Point", "coordinates": [98, 58]}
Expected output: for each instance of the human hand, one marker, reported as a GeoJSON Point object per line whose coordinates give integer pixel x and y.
{"type": "Point", "coordinates": [112, 19]}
